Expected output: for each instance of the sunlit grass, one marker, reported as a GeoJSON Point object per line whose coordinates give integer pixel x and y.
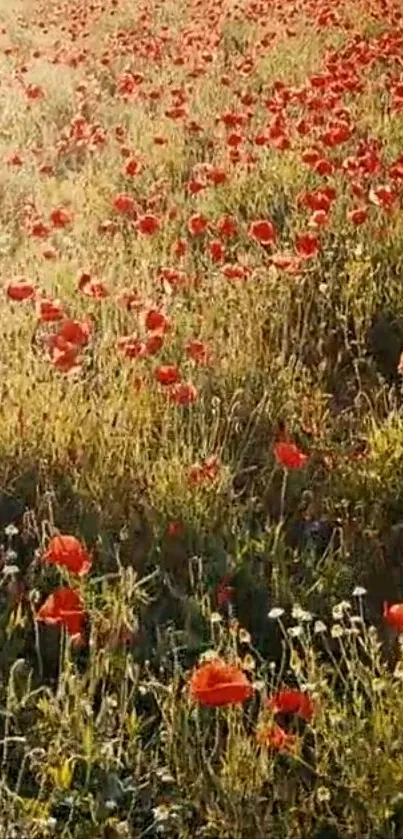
{"type": "Point", "coordinates": [100, 738]}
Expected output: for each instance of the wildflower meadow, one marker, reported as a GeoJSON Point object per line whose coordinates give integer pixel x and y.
{"type": "Point", "coordinates": [201, 419]}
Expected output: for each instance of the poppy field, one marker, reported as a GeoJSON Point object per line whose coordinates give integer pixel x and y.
{"type": "Point", "coordinates": [201, 419]}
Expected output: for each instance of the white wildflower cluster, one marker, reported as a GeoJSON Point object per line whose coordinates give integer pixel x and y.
{"type": "Point", "coordinates": [340, 612]}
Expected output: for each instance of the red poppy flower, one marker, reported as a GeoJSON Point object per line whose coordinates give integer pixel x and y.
{"type": "Point", "coordinates": [167, 374]}
{"type": "Point", "coordinates": [75, 332]}
{"type": "Point", "coordinates": [216, 683]}
{"type": "Point", "coordinates": [130, 299]}
{"type": "Point", "coordinates": [132, 167]}
{"type": "Point", "coordinates": [319, 218]}
{"type": "Point", "coordinates": [92, 287]}
{"type": "Point", "coordinates": [289, 455]}
{"type": "Point", "coordinates": [20, 290]}
{"type": "Point", "coordinates": [154, 343]}
{"type": "Point", "coordinates": [290, 701]}
{"type": "Point", "coordinates": [34, 91]}
{"type": "Point", "coordinates": [177, 112]}
{"type": "Point", "coordinates": [382, 196]}
{"type": "Point", "coordinates": [45, 169]}
{"type": "Point", "coordinates": [65, 360]}
{"type": "Point", "coordinates": [274, 737]}
{"type": "Point", "coordinates": [148, 225]}
{"type": "Point", "coordinates": [358, 216]}
{"type": "Point", "coordinates": [60, 217]}
{"type": "Point", "coordinates": [324, 167]}
{"type": "Point", "coordinates": [336, 135]}
{"type": "Point", "coordinates": [197, 351]}
{"type": "Point", "coordinates": [307, 245]}
{"type": "Point", "coordinates": [131, 346]}
{"type": "Point", "coordinates": [234, 139]}
{"type": "Point", "coordinates": [227, 227]}
{"type": "Point", "coordinates": [235, 271]}
{"type": "Point", "coordinates": [217, 176]}
{"type": "Point", "coordinates": [68, 552]}
{"type": "Point", "coordinates": [156, 321]}
{"type": "Point", "coordinates": [13, 159]}
{"type": "Point", "coordinates": [172, 278]}
{"type": "Point", "coordinates": [393, 616]}
{"type": "Point", "coordinates": [50, 311]}
{"type": "Point", "coordinates": [194, 186]}
{"type": "Point", "coordinates": [318, 200]}
{"type": "Point", "coordinates": [57, 343]}
{"type": "Point", "coordinates": [39, 230]}
{"type": "Point", "coordinates": [286, 262]}
{"type": "Point", "coordinates": [207, 470]}
{"type": "Point", "coordinates": [216, 250]}
{"type": "Point", "coordinates": [126, 83]}
{"type": "Point", "coordinates": [396, 170]}
{"type": "Point", "coordinates": [64, 607]}
{"type": "Point", "coordinates": [310, 157]}
{"type": "Point", "coordinates": [179, 248]}
{"type": "Point", "coordinates": [183, 393]}
{"type": "Point", "coordinates": [124, 204]}
{"type": "Point", "coordinates": [197, 225]}
{"type": "Point", "coordinates": [262, 231]}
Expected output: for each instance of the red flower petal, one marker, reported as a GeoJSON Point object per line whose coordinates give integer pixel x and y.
{"type": "Point", "coordinates": [68, 552]}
